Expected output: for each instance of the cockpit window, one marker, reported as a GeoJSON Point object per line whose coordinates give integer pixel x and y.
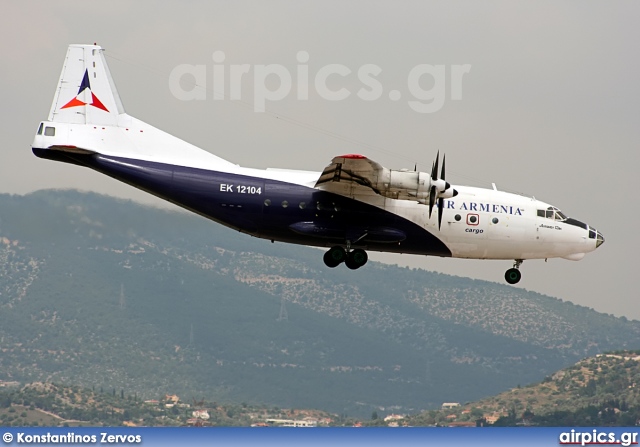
{"type": "Point", "coordinates": [552, 213]}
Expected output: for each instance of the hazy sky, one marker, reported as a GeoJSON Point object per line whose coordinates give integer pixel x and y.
{"type": "Point", "coordinates": [549, 107]}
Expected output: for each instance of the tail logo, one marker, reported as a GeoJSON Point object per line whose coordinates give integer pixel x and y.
{"type": "Point", "coordinates": [75, 102]}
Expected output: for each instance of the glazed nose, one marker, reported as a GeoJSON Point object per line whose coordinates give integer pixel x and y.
{"type": "Point", "coordinates": [595, 234]}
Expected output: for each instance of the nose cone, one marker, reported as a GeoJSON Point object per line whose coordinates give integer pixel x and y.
{"type": "Point", "coordinates": [595, 234]}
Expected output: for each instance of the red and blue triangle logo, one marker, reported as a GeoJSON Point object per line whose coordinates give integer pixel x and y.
{"type": "Point", "coordinates": [75, 102]}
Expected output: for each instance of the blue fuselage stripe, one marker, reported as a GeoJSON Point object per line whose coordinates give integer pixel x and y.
{"type": "Point", "coordinates": [240, 202]}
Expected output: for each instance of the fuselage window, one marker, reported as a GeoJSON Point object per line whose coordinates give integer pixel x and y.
{"type": "Point", "coordinates": [285, 204]}
{"type": "Point", "coordinates": [50, 131]}
{"type": "Point", "coordinates": [267, 202]}
{"type": "Point", "coordinates": [302, 205]}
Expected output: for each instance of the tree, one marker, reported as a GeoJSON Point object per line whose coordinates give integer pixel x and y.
{"type": "Point", "coordinates": [374, 416]}
{"type": "Point", "coordinates": [590, 388]}
{"type": "Point", "coordinates": [5, 401]}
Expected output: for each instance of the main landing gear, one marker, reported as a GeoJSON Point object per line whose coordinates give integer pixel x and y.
{"type": "Point", "coordinates": [353, 259]}
{"type": "Point", "coordinates": [513, 275]}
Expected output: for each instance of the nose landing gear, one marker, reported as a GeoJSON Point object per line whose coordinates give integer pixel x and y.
{"type": "Point", "coordinates": [352, 259]}
{"type": "Point", "coordinates": [513, 275]}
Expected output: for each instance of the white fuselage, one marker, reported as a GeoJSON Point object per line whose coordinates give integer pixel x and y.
{"type": "Point", "coordinates": [352, 206]}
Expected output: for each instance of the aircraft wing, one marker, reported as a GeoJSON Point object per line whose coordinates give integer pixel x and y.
{"type": "Point", "coordinates": [352, 174]}
{"type": "Point", "coordinates": [356, 175]}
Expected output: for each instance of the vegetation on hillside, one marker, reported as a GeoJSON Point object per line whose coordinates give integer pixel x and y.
{"type": "Point", "coordinates": [597, 391]}
{"type": "Point", "coordinates": [601, 390]}
{"type": "Point", "coordinates": [105, 293]}
{"type": "Point", "coordinates": [48, 404]}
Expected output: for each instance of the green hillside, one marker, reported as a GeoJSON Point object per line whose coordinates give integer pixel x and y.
{"type": "Point", "coordinates": [601, 390]}
{"type": "Point", "coordinates": [106, 293]}
{"type": "Point", "coordinates": [49, 404]}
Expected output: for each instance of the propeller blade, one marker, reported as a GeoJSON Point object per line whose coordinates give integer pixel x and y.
{"type": "Point", "coordinates": [443, 160]}
{"type": "Point", "coordinates": [434, 171]}
{"type": "Point", "coordinates": [432, 199]}
{"type": "Point", "coordinates": [440, 207]}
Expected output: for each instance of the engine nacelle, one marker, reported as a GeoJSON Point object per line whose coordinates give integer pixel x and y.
{"type": "Point", "coordinates": [402, 184]}
{"type": "Point", "coordinates": [411, 185]}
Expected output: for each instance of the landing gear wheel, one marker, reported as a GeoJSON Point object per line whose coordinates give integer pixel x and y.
{"type": "Point", "coordinates": [513, 276]}
{"type": "Point", "coordinates": [335, 256]}
{"type": "Point", "coordinates": [356, 259]}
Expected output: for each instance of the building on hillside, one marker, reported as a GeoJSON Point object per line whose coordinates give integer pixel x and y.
{"type": "Point", "coordinates": [450, 405]}
{"type": "Point", "coordinates": [171, 398]}
{"type": "Point", "coordinates": [292, 423]}
{"type": "Point", "coordinates": [196, 422]}
{"type": "Point", "coordinates": [393, 417]}
{"type": "Point", "coordinates": [493, 417]}
{"type": "Point", "coordinates": [201, 414]}
{"type": "Point", "coordinates": [462, 424]}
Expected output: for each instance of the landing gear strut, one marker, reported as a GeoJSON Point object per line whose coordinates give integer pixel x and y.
{"type": "Point", "coordinates": [513, 275]}
{"type": "Point", "coordinates": [353, 259]}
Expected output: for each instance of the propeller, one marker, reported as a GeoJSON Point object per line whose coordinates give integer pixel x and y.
{"type": "Point", "coordinates": [439, 187]}
{"type": "Point", "coordinates": [432, 189]}
{"type": "Point", "coordinates": [441, 199]}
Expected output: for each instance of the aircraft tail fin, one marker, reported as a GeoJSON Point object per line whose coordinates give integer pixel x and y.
{"type": "Point", "coordinates": [87, 117]}
{"type": "Point", "coordinates": [86, 93]}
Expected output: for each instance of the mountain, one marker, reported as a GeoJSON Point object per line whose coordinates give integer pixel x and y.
{"type": "Point", "coordinates": [102, 292]}
{"type": "Point", "coordinates": [50, 404]}
{"type": "Point", "coordinates": [601, 390]}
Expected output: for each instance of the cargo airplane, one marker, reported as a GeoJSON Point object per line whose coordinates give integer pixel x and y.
{"type": "Point", "coordinates": [354, 205]}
